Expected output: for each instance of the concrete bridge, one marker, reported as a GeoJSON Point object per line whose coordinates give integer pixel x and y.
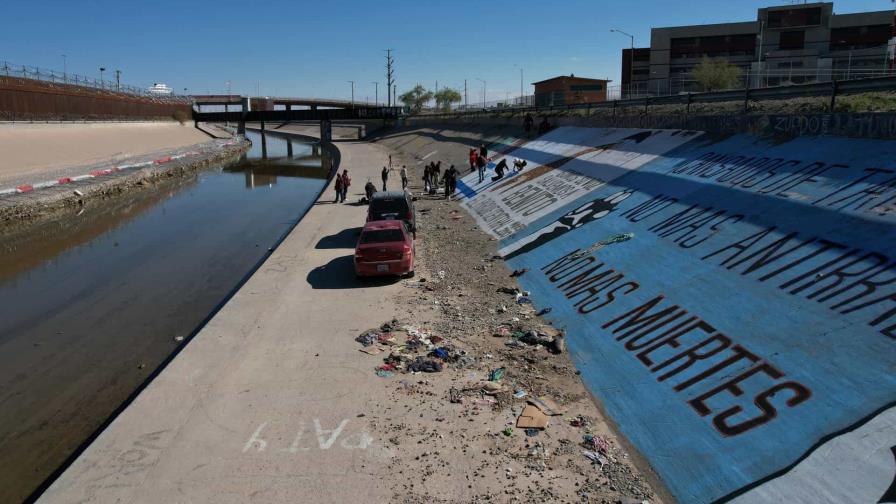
{"type": "Point", "coordinates": [263, 110]}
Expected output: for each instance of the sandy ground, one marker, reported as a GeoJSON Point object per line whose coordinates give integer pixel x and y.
{"type": "Point", "coordinates": [32, 153]}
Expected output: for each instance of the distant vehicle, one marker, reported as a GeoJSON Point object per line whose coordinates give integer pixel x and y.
{"type": "Point", "coordinates": [393, 205]}
{"type": "Point", "coordinates": [159, 89]}
{"type": "Point", "coordinates": [385, 248]}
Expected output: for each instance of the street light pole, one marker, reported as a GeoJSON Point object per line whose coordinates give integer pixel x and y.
{"type": "Point", "coordinates": [483, 91]}
{"type": "Point", "coordinates": [631, 62]}
{"type": "Point", "coordinates": [102, 83]}
{"type": "Point", "coordinates": [118, 80]}
{"type": "Point", "coordinates": [353, 93]}
{"type": "Point", "coordinates": [64, 68]}
{"type": "Point", "coordinates": [376, 92]}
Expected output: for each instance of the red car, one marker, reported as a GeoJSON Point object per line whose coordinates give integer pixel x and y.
{"type": "Point", "coordinates": [385, 248]}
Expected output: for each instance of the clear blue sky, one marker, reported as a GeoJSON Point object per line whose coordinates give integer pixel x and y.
{"type": "Point", "coordinates": [304, 48]}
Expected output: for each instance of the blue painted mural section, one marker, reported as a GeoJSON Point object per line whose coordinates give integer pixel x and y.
{"type": "Point", "coordinates": [732, 302]}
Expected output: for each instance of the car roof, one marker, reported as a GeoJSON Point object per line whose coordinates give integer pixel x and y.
{"type": "Point", "coordinates": [388, 195]}
{"type": "Point", "coordinates": [383, 224]}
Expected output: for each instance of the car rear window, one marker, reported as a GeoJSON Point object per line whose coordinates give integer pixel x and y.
{"type": "Point", "coordinates": [382, 236]}
{"type": "Point", "coordinates": [396, 206]}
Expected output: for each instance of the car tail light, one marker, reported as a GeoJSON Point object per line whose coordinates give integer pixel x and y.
{"type": "Point", "coordinates": [405, 249]}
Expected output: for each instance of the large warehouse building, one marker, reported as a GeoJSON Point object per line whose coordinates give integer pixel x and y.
{"type": "Point", "coordinates": [792, 43]}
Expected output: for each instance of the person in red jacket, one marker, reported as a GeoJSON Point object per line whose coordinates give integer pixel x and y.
{"type": "Point", "coordinates": [473, 157]}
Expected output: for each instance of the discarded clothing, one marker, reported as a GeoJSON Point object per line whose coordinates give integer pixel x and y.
{"type": "Point", "coordinates": [422, 364]}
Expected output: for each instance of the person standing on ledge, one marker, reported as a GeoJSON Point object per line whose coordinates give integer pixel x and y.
{"type": "Point", "coordinates": [385, 177]}
{"type": "Point", "coordinates": [338, 186]}
{"type": "Point", "coordinates": [426, 183]}
{"type": "Point", "coordinates": [404, 177]}
{"type": "Point", "coordinates": [481, 163]}
{"type": "Point", "coordinates": [473, 157]}
{"type": "Point", "coordinates": [346, 182]}
{"type": "Point", "coordinates": [527, 124]}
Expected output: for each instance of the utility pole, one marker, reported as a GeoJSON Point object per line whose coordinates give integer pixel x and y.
{"type": "Point", "coordinates": [390, 82]}
{"type": "Point", "coordinates": [465, 93]}
{"type": "Point", "coordinates": [64, 68]}
{"type": "Point", "coordinates": [483, 91]}
{"type": "Point", "coordinates": [376, 93]}
{"type": "Point", "coordinates": [631, 61]}
{"type": "Point", "coordinates": [118, 80]}
{"type": "Point", "coordinates": [353, 92]}
{"type": "Point", "coordinates": [102, 84]}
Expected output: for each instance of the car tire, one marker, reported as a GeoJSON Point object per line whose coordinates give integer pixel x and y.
{"type": "Point", "coordinates": [410, 274]}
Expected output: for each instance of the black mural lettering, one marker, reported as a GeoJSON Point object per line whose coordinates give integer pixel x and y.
{"type": "Point", "coordinates": [648, 208]}
{"type": "Point", "coordinates": [740, 246]}
{"type": "Point", "coordinates": [637, 317]}
{"type": "Point", "coordinates": [870, 172]}
{"type": "Point", "coordinates": [637, 341]}
{"type": "Point", "coordinates": [731, 386]}
{"type": "Point", "coordinates": [594, 289]}
{"type": "Point", "coordinates": [825, 246]}
{"type": "Point", "coordinates": [740, 354]}
{"type": "Point", "coordinates": [678, 220]}
{"type": "Point", "coordinates": [611, 296]}
{"type": "Point", "coordinates": [561, 261]}
{"type": "Point", "coordinates": [691, 355]}
{"type": "Point", "coordinates": [770, 253]}
{"type": "Point", "coordinates": [868, 285]}
{"type": "Point", "coordinates": [816, 271]}
{"type": "Point", "coordinates": [693, 239]}
{"type": "Point", "coordinates": [767, 410]}
{"type": "Point", "coordinates": [571, 266]}
{"type": "Point", "coordinates": [672, 340]}
{"type": "Point", "coordinates": [868, 262]}
{"type": "Point", "coordinates": [578, 283]}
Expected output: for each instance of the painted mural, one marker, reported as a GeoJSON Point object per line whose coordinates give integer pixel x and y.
{"type": "Point", "coordinates": [732, 303]}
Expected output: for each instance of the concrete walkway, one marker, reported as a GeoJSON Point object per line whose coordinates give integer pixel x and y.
{"type": "Point", "coordinates": [266, 403]}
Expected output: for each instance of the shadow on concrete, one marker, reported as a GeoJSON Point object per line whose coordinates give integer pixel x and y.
{"type": "Point", "coordinates": [345, 239]}
{"type": "Point", "coordinates": [340, 274]}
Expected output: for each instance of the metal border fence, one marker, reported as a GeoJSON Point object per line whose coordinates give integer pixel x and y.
{"type": "Point", "coordinates": [8, 69]}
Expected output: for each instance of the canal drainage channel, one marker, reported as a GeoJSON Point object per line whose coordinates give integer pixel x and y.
{"type": "Point", "coordinates": [89, 322]}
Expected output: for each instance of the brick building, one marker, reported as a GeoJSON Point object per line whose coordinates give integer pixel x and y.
{"type": "Point", "coordinates": [565, 90]}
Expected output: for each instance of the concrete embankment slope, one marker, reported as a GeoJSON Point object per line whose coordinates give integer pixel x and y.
{"type": "Point", "coordinates": [731, 302]}
{"type": "Point", "coordinates": [263, 404]}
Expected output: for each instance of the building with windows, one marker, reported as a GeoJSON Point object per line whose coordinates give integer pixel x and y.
{"type": "Point", "coordinates": [785, 44]}
{"type": "Point", "coordinates": [565, 90]}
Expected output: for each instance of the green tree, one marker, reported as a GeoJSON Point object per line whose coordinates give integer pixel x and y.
{"type": "Point", "coordinates": [716, 74]}
{"type": "Point", "coordinates": [416, 98]}
{"type": "Point", "coordinates": [445, 97]}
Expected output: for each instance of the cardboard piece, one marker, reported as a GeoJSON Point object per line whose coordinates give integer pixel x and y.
{"type": "Point", "coordinates": [532, 418]}
{"type": "Point", "coordinates": [371, 350]}
{"type": "Point", "coordinates": [547, 406]}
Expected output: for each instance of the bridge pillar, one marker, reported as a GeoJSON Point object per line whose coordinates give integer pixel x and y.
{"type": "Point", "coordinates": [241, 127]}
{"type": "Point", "coordinates": [289, 148]}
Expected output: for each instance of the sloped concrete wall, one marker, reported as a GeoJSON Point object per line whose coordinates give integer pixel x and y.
{"type": "Point", "coordinates": [731, 302]}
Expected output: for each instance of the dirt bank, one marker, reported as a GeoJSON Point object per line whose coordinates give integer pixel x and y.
{"type": "Point", "coordinates": [32, 153]}
{"type": "Point", "coordinates": [26, 209]}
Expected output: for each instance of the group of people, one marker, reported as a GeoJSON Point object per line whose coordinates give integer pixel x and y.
{"type": "Point", "coordinates": [543, 127]}
{"type": "Point", "coordinates": [431, 178]}
{"type": "Point", "coordinates": [479, 160]}
{"type": "Point", "coordinates": [342, 183]}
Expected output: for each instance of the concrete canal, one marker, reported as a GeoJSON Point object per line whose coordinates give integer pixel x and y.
{"type": "Point", "coordinates": [92, 304]}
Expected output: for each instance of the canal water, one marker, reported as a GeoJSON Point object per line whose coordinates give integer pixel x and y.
{"type": "Point", "coordinates": [92, 303]}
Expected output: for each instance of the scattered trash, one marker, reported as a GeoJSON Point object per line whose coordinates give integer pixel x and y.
{"type": "Point", "coordinates": [489, 388]}
{"type": "Point", "coordinates": [579, 421]}
{"type": "Point", "coordinates": [502, 331]}
{"type": "Point", "coordinates": [178, 338]}
{"type": "Point", "coordinates": [595, 457]}
{"type": "Point", "coordinates": [496, 374]}
{"type": "Point", "coordinates": [532, 432]}
{"type": "Point", "coordinates": [441, 275]}
{"type": "Point", "coordinates": [370, 350]}
{"type": "Point", "coordinates": [617, 238]}
{"type": "Point", "coordinates": [532, 418]}
{"type": "Point", "coordinates": [519, 394]}
{"type": "Point", "coordinates": [440, 353]}
{"type": "Point", "coordinates": [596, 443]}
{"type": "Point", "coordinates": [455, 396]}
{"type": "Point", "coordinates": [382, 373]}
{"type": "Point", "coordinates": [508, 431]}
{"type": "Point", "coordinates": [368, 337]}
{"type": "Point", "coordinates": [545, 405]}
{"type": "Point", "coordinates": [513, 291]}
{"type": "Point", "coordinates": [521, 299]}
{"type": "Point", "coordinates": [422, 364]}
{"type": "Point", "coordinates": [78, 193]}
{"type": "Point", "coordinates": [519, 272]}
{"type": "Point", "coordinates": [543, 311]}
